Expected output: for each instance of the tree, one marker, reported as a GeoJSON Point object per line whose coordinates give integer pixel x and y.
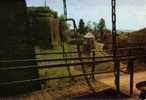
{"type": "Point", "coordinates": [81, 27]}
{"type": "Point", "coordinates": [95, 26]}
{"type": "Point", "coordinates": [95, 30]}
{"type": "Point", "coordinates": [101, 27]}
{"type": "Point", "coordinates": [89, 26]}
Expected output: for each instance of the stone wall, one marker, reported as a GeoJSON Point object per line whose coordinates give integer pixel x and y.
{"type": "Point", "coordinates": [16, 43]}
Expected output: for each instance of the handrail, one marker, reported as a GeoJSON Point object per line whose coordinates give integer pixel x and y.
{"type": "Point", "coordinates": [95, 61]}
{"type": "Point", "coordinates": [57, 59]}
{"type": "Point", "coordinates": [63, 65]}
{"type": "Point", "coordinates": [61, 59]}
{"type": "Point", "coordinates": [52, 66]}
{"type": "Point", "coordinates": [71, 52]}
{"type": "Point", "coordinates": [49, 78]}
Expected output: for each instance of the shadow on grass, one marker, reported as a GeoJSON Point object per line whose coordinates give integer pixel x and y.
{"type": "Point", "coordinates": [106, 94]}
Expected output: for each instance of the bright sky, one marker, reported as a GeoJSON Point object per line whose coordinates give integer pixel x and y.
{"type": "Point", "coordinates": [131, 14]}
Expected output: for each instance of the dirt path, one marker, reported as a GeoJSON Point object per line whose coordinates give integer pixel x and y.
{"type": "Point", "coordinates": [104, 81]}
{"type": "Point", "coordinates": [124, 81]}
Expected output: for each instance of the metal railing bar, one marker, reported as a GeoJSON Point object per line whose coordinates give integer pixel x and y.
{"type": "Point", "coordinates": [63, 65]}
{"type": "Point", "coordinates": [58, 59]}
{"type": "Point", "coordinates": [50, 78]}
{"type": "Point", "coordinates": [127, 48]}
{"type": "Point", "coordinates": [54, 53]}
{"type": "Point", "coordinates": [51, 66]}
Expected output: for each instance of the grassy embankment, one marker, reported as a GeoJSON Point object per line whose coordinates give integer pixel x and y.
{"type": "Point", "coordinates": [55, 72]}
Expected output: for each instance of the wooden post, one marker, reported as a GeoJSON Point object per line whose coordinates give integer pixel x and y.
{"type": "Point", "coordinates": [131, 68]}
{"type": "Point", "coordinates": [93, 65]}
{"type": "Point", "coordinates": [117, 74]}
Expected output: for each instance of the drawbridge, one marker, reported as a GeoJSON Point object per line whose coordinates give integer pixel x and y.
{"type": "Point", "coordinates": [90, 81]}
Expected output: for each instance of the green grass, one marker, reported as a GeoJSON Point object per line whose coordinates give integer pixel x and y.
{"type": "Point", "coordinates": [57, 72]}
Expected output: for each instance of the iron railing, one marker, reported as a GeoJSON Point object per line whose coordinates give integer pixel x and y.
{"type": "Point", "coordinates": [95, 60]}
{"type": "Point", "coordinates": [42, 79]}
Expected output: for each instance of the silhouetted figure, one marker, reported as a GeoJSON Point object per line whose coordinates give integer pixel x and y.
{"type": "Point", "coordinates": [15, 43]}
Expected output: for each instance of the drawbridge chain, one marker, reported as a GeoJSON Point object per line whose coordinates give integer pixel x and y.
{"type": "Point", "coordinates": [114, 47]}
{"type": "Point", "coordinates": [115, 59]}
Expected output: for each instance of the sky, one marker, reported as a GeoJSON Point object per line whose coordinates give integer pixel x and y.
{"type": "Point", "coordinates": [131, 14]}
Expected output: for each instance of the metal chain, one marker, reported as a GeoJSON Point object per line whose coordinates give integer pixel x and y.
{"type": "Point", "coordinates": [114, 23]}
{"type": "Point", "coordinates": [115, 59]}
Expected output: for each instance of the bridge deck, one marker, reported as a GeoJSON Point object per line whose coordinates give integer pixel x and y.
{"type": "Point", "coordinates": [81, 88]}
{"type": "Point", "coordinates": [75, 89]}
{"type": "Point", "coordinates": [125, 82]}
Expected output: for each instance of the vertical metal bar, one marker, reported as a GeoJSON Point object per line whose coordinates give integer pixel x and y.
{"type": "Point", "coordinates": [131, 76]}
{"type": "Point", "coordinates": [45, 3]}
{"type": "Point", "coordinates": [93, 65]}
{"type": "Point", "coordinates": [131, 72]}
{"type": "Point", "coordinates": [65, 15]}
{"type": "Point", "coordinates": [85, 72]}
{"type": "Point", "coordinates": [63, 48]}
{"type": "Point", "coordinates": [117, 75]}
{"type": "Point", "coordinates": [65, 8]}
{"type": "Point", "coordinates": [62, 42]}
{"type": "Point", "coordinates": [114, 47]}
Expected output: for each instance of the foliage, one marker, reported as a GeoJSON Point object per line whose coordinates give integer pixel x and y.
{"type": "Point", "coordinates": [98, 28]}
{"type": "Point", "coordinates": [64, 28]}
{"type": "Point", "coordinates": [43, 10]}
{"type": "Point", "coordinates": [95, 26]}
{"type": "Point", "coordinates": [89, 26]}
{"type": "Point", "coordinates": [101, 25]}
{"type": "Point", "coordinates": [82, 27]}
{"type": "Point", "coordinates": [65, 24]}
{"type": "Point", "coordinates": [101, 28]}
